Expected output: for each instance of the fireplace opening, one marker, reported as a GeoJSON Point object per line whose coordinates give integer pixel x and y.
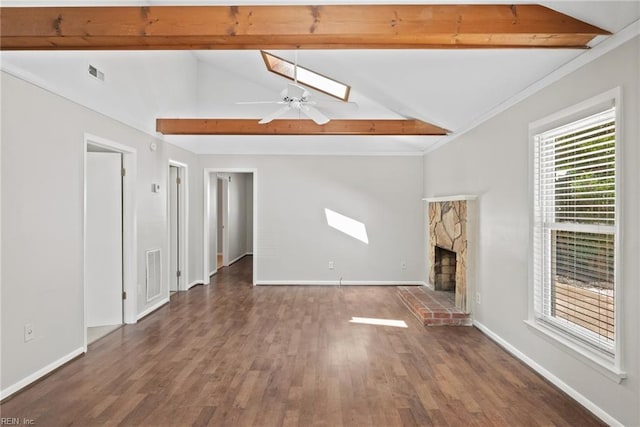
{"type": "Point", "coordinates": [445, 270]}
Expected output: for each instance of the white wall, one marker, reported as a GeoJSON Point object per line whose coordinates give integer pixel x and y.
{"type": "Point", "coordinates": [294, 240]}
{"type": "Point", "coordinates": [494, 164]}
{"type": "Point", "coordinates": [42, 220]}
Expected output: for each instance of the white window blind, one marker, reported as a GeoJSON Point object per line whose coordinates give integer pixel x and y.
{"type": "Point", "coordinates": [575, 229]}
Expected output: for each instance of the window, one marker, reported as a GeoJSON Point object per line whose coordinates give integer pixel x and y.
{"type": "Point", "coordinates": [574, 231]}
{"type": "Point", "coordinates": [306, 77]}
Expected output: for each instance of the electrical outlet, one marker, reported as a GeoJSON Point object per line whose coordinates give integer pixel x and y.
{"type": "Point", "coordinates": [403, 265]}
{"type": "Point", "coordinates": [29, 332]}
{"type": "Point", "coordinates": [330, 265]}
{"type": "Point", "coordinates": [477, 297]}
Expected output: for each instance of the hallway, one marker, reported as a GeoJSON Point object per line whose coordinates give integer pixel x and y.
{"type": "Point", "coordinates": [230, 354]}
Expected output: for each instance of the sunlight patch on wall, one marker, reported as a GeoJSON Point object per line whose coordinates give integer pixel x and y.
{"type": "Point", "coordinates": [379, 322]}
{"type": "Point", "coordinates": [346, 225]}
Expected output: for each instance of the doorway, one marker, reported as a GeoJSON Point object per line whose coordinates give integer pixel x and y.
{"type": "Point", "coordinates": [120, 246]}
{"type": "Point", "coordinates": [221, 248]}
{"type": "Point", "coordinates": [177, 211]}
{"type": "Point", "coordinates": [104, 243]}
{"type": "Point", "coordinates": [174, 234]}
{"type": "Point", "coordinates": [230, 214]}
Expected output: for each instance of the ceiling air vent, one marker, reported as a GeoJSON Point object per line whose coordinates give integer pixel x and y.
{"type": "Point", "coordinates": [96, 73]}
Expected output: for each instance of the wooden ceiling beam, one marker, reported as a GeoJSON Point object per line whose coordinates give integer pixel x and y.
{"type": "Point", "coordinates": [295, 127]}
{"type": "Point", "coordinates": [290, 27]}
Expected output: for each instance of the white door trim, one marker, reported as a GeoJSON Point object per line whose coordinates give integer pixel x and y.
{"type": "Point", "coordinates": [129, 226]}
{"type": "Point", "coordinates": [183, 206]}
{"type": "Point", "coordinates": [206, 232]}
{"type": "Point", "coordinates": [225, 221]}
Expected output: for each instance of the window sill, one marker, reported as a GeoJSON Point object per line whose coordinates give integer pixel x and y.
{"type": "Point", "coordinates": [582, 352]}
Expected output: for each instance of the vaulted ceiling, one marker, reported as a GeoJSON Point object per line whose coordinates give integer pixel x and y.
{"type": "Point", "coordinates": [451, 88]}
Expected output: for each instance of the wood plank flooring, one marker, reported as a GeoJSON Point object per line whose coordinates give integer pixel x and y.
{"type": "Point", "coordinates": [230, 354]}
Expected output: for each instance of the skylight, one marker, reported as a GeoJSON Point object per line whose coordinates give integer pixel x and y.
{"type": "Point", "coordinates": [306, 77]}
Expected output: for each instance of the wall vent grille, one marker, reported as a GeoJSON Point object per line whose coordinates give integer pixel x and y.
{"type": "Point", "coordinates": [154, 274]}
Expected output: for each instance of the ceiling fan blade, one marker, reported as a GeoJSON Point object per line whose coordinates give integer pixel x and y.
{"type": "Point", "coordinates": [338, 105]}
{"type": "Point", "coordinates": [269, 117]}
{"type": "Point", "coordinates": [314, 114]}
{"type": "Point", "coordinates": [259, 102]}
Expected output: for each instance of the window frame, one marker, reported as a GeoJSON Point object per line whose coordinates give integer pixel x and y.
{"type": "Point", "coordinates": [609, 364]}
{"type": "Point", "coordinates": [301, 80]}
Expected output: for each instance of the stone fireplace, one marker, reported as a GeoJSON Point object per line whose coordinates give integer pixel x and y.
{"type": "Point", "coordinates": [448, 250]}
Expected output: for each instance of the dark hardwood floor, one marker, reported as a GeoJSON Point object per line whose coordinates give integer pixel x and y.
{"type": "Point", "coordinates": [230, 354]}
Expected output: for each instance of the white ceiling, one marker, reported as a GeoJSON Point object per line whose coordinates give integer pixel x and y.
{"type": "Point", "coordinates": [449, 88]}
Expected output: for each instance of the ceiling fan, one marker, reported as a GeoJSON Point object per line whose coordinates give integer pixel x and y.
{"type": "Point", "coordinates": [297, 98]}
{"type": "Point", "coordinates": [294, 97]}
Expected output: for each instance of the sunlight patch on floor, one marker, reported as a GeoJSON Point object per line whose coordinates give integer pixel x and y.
{"type": "Point", "coordinates": [379, 322]}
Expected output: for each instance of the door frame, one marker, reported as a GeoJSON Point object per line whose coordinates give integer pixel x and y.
{"type": "Point", "coordinates": [225, 221]}
{"type": "Point", "coordinates": [129, 234]}
{"type": "Point", "coordinates": [206, 232]}
{"type": "Point", "coordinates": [183, 225]}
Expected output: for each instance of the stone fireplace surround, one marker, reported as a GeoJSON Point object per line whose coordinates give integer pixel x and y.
{"type": "Point", "coordinates": [449, 229]}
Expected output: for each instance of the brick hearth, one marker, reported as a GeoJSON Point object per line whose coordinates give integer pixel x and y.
{"type": "Point", "coordinates": [433, 308]}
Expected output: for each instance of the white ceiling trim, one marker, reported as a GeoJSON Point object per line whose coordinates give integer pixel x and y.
{"type": "Point", "coordinates": [616, 40]}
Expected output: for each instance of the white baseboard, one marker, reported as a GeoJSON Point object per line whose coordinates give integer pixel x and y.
{"type": "Point", "coordinates": [195, 282]}
{"type": "Point", "coordinates": [153, 308]}
{"type": "Point", "coordinates": [382, 283]}
{"type": "Point", "coordinates": [595, 409]}
{"type": "Point", "coordinates": [338, 283]}
{"type": "Point", "coordinates": [237, 259]}
{"type": "Point", "coordinates": [249, 253]}
{"type": "Point", "coordinates": [295, 282]}
{"type": "Point", "coordinates": [211, 273]}
{"type": "Point", "coordinates": [40, 373]}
